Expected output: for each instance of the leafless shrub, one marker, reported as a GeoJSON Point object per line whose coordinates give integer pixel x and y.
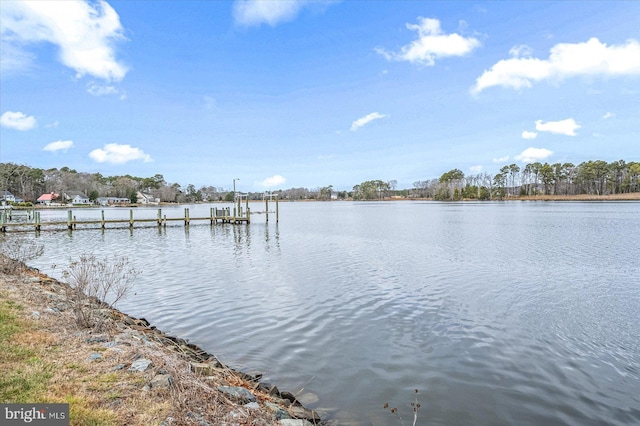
{"type": "Point", "coordinates": [97, 283]}
{"type": "Point", "coordinates": [16, 251]}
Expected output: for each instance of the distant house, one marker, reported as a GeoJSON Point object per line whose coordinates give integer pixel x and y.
{"type": "Point", "coordinates": [48, 199]}
{"type": "Point", "coordinates": [109, 201]}
{"type": "Point", "coordinates": [147, 198]}
{"type": "Point", "coordinates": [77, 198]}
{"type": "Point", "coordinates": [7, 196]}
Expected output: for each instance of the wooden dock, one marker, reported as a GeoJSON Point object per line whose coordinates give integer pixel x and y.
{"type": "Point", "coordinates": [236, 216]}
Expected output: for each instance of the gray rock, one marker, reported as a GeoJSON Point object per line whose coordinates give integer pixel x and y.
{"type": "Point", "coordinates": [282, 402]}
{"type": "Point", "coordinates": [161, 381]}
{"type": "Point", "coordinates": [99, 338]}
{"type": "Point", "coordinates": [118, 367]}
{"type": "Point", "coordinates": [95, 356]}
{"type": "Point", "coordinates": [257, 375]}
{"type": "Point", "coordinates": [288, 395]}
{"type": "Point", "coordinates": [278, 411]}
{"type": "Point", "coordinates": [300, 412]}
{"type": "Point", "coordinates": [252, 406]}
{"type": "Point", "coordinates": [35, 315]}
{"type": "Point", "coordinates": [240, 394]}
{"type": "Point", "coordinates": [308, 398]}
{"type": "Point", "coordinates": [139, 365]}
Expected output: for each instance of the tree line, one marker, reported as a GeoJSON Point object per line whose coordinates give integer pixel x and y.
{"type": "Point", "coordinates": [590, 177]}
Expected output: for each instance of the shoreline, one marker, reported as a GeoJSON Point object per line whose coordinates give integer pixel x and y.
{"type": "Point", "coordinates": [629, 196]}
{"type": "Point", "coordinates": [128, 373]}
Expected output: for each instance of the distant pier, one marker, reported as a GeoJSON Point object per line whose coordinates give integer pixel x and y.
{"type": "Point", "coordinates": [238, 215]}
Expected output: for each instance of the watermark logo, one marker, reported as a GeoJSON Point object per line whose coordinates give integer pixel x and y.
{"type": "Point", "coordinates": [37, 414]}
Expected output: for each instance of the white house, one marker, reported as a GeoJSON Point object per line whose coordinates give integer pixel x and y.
{"type": "Point", "coordinates": [77, 198]}
{"type": "Point", "coordinates": [7, 196]}
{"type": "Point", "coordinates": [107, 201]}
{"type": "Point", "coordinates": [147, 198]}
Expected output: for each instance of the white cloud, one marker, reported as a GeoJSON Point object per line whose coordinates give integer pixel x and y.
{"type": "Point", "coordinates": [475, 169]}
{"type": "Point", "coordinates": [84, 31]}
{"type": "Point", "coordinates": [529, 135]}
{"type": "Point", "coordinates": [431, 44]}
{"type": "Point", "coordinates": [272, 12]}
{"type": "Point", "coordinates": [58, 146]}
{"type": "Point", "coordinates": [608, 115]}
{"type": "Point", "coordinates": [362, 121]}
{"type": "Point", "coordinates": [118, 154]}
{"type": "Point", "coordinates": [53, 125]}
{"type": "Point", "coordinates": [565, 60]}
{"type": "Point", "coordinates": [272, 181]}
{"type": "Point", "coordinates": [520, 51]}
{"type": "Point", "coordinates": [17, 121]}
{"type": "Point", "coordinates": [531, 155]}
{"type": "Point", "coordinates": [100, 90]}
{"type": "Point", "coordinates": [501, 159]}
{"type": "Point", "coordinates": [566, 127]}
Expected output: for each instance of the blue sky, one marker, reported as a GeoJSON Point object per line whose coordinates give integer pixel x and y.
{"type": "Point", "coordinates": [285, 94]}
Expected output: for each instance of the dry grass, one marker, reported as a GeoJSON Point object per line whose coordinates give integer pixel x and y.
{"type": "Point", "coordinates": [633, 196]}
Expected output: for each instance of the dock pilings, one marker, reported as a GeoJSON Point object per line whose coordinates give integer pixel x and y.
{"type": "Point", "coordinates": [241, 214]}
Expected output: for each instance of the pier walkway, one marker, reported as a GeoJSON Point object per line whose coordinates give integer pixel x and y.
{"type": "Point", "coordinates": [237, 215]}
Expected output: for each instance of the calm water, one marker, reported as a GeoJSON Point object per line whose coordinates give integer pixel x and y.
{"type": "Point", "coordinates": [499, 313]}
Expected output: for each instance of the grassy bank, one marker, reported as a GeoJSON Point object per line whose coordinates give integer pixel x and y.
{"type": "Point", "coordinates": [45, 357]}
{"type": "Point", "coordinates": [36, 368]}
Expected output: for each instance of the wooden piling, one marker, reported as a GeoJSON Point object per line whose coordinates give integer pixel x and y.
{"type": "Point", "coordinates": [131, 218]}
{"type": "Point", "coordinates": [69, 226]}
{"type": "Point", "coordinates": [159, 217]}
{"type": "Point", "coordinates": [186, 217]}
{"type": "Point", "coordinates": [102, 221]}
{"type": "Point", "coordinates": [36, 218]}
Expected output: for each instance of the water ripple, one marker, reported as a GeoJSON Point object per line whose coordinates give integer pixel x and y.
{"type": "Point", "coordinates": [499, 313]}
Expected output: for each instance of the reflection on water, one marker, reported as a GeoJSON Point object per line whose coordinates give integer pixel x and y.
{"type": "Point", "coordinates": [499, 313]}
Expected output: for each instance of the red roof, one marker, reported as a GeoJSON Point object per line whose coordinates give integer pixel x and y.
{"type": "Point", "coordinates": [48, 197]}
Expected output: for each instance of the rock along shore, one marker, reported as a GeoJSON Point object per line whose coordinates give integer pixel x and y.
{"type": "Point", "coordinates": [151, 377]}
